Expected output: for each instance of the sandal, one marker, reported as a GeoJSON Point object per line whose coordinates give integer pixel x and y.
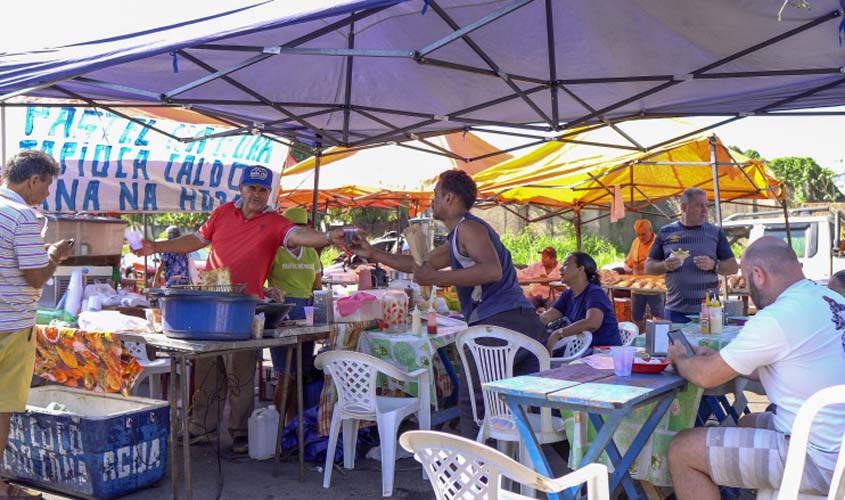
{"type": "Point", "coordinates": [14, 492]}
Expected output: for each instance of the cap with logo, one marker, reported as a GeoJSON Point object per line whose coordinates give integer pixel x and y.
{"type": "Point", "coordinates": [257, 175]}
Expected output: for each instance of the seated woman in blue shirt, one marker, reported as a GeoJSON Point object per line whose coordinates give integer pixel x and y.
{"type": "Point", "coordinates": [585, 304]}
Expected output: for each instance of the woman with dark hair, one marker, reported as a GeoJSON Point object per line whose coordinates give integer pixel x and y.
{"type": "Point", "coordinates": [585, 304]}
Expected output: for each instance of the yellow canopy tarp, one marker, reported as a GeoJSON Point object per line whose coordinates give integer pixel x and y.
{"type": "Point", "coordinates": [559, 175]}
{"type": "Point", "coordinates": [386, 176]}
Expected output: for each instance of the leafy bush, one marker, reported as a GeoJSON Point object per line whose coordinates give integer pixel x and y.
{"type": "Point", "coordinates": [526, 246]}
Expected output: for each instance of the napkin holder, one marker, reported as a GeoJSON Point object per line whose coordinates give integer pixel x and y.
{"type": "Point", "coordinates": [657, 336]}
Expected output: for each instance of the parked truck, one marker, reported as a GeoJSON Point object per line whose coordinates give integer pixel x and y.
{"type": "Point", "coordinates": [816, 236]}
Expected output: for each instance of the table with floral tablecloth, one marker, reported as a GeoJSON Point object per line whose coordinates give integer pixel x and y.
{"type": "Point", "coordinates": [406, 352]}
{"type": "Point", "coordinates": [410, 352]}
{"type": "Point", "coordinates": [96, 361]}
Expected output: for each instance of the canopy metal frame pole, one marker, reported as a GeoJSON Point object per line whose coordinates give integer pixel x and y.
{"type": "Point", "coordinates": [715, 166]}
{"type": "Point", "coordinates": [315, 199]}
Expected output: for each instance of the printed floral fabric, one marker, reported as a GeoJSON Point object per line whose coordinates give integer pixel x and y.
{"type": "Point", "coordinates": [96, 361]}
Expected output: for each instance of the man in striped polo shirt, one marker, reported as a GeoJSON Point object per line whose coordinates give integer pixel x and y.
{"type": "Point", "coordinates": [25, 265]}
{"type": "Point", "coordinates": [688, 278]}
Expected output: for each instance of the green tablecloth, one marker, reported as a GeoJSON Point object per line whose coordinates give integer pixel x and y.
{"type": "Point", "coordinates": [409, 352]}
{"type": "Point", "coordinates": [652, 463]}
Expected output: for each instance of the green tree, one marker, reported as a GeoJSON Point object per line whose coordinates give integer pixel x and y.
{"type": "Point", "coordinates": [806, 181]}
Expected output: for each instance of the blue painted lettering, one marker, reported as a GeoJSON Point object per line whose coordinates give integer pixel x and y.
{"type": "Point", "coordinates": [48, 146]}
{"type": "Point", "coordinates": [128, 196]}
{"type": "Point", "coordinates": [235, 175]}
{"type": "Point", "coordinates": [65, 120]}
{"type": "Point", "coordinates": [216, 175]}
{"type": "Point", "coordinates": [167, 175]}
{"type": "Point", "coordinates": [88, 123]}
{"type": "Point", "coordinates": [91, 201]}
{"type": "Point", "coordinates": [66, 200]}
{"type": "Point", "coordinates": [28, 144]}
{"type": "Point", "coordinates": [197, 181]}
{"type": "Point", "coordinates": [32, 113]}
{"type": "Point", "coordinates": [150, 203]}
{"type": "Point", "coordinates": [141, 140]}
{"type": "Point", "coordinates": [102, 153]}
{"type": "Point", "coordinates": [184, 175]}
{"type": "Point", "coordinates": [140, 164]}
{"type": "Point", "coordinates": [68, 150]}
{"type": "Point", "coordinates": [188, 198]}
{"type": "Point", "coordinates": [119, 173]}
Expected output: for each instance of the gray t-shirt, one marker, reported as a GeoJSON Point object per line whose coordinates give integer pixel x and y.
{"type": "Point", "coordinates": [687, 286]}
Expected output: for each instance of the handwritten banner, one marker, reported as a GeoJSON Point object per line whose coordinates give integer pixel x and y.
{"type": "Point", "coordinates": [110, 164]}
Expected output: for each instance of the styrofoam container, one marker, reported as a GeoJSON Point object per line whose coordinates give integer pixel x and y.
{"type": "Point", "coordinates": [100, 446]}
{"type": "Point", "coordinates": [370, 311]}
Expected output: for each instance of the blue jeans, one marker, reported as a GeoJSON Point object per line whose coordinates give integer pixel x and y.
{"type": "Point", "coordinates": [675, 316]}
{"type": "Point", "coordinates": [639, 301]}
{"type": "Point", "coordinates": [277, 354]}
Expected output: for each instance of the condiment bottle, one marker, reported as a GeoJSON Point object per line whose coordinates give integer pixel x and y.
{"type": "Point", "coordinates": [416, 321]}
{"type": "Point", "coordinates": [431, 326]}
{"type": "Point", "coordinates": [704, 318]}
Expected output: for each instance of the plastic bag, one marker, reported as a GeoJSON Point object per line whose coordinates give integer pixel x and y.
{"type": "Point", "coordinates": [110, 321]}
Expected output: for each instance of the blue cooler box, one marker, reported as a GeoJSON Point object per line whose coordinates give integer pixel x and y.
{"type": "Point", "coordinates": [98, 446]}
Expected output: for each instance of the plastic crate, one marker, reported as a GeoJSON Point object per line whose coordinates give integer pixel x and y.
{"type": "Point", "coordinates": [102, 446]}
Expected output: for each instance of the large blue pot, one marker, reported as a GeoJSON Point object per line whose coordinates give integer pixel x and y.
{"type": "Point", "coordinates": [207, 316]}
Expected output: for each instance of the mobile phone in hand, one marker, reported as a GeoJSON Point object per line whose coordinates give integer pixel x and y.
{"type": "Point", "coordinates": [678, 336]}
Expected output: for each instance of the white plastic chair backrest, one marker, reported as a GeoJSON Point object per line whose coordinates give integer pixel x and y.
{"type": "Point", "coordinates": [354, 375]}
{"type": "Point", "coordinates": [799, 438]}
{"type": "Point", "coordinates": [138, 350]}
{"type": "Point", "coordinates": [461, 468]}
{"type": "Point", "coordinates": [627, 332]}
{"type": "Point", "coordinates": [495, 362]}
{"type": "Point", "coordinates": [574, 346]}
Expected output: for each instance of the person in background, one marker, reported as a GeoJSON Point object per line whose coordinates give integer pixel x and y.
{"type": "Point", "coordinates": [482, 270]}
{"type": "Point", "coordinates": [689, 279]}
{"type": "Point", "coordinates": [635, 264]}
{"type": "Point", "coordinates": [585, 304]}
{"type": "Point", "coordinates": [547, 268]}
{"type": "Point", "coordinates": [297, 273]}
{"type": "Point", "coordinates": [244, 235]}
{"type": "Point", "coordinates": [175, 266]}
{"type": "Point", "coordinates": [25, 264]}
{"type": "Point", "coordinates": [793, 346]}
{"type": "Point", "coordinates": [837, 282]}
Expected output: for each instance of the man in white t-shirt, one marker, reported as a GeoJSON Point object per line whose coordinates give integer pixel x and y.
{"type": "Point", "coordinates": [795, 346]}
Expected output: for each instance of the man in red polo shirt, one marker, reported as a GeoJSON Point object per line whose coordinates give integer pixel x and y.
{"type": "Point", "coordinates": [244, 236]}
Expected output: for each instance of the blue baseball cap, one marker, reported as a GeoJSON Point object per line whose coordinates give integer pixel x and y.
{"type": "Point", "coordinates": [257, 175]}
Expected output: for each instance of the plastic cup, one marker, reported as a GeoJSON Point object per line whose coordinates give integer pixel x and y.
{"type": "Point", "coordinates": [133, 236]}
{"type": "Point", "coordinates": [309, 315]}
{"type": "Point", "coordinates": [623, 359]}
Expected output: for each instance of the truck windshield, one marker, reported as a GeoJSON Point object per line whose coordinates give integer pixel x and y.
{"type": "Point", "coordinates": [801, 235]}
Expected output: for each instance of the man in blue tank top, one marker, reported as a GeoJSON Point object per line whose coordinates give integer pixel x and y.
{"type": "Point", "coordinates": [692, 253]}
{"type": "Point", "coordinates": [480, 267]}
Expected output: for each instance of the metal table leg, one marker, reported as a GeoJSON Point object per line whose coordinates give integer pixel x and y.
{"type": "Point", "coordinates": [186, 446]}
{"type": "Point", "coordinates": [300, 431]}
{"type": "Point", "coordinates": [174, 428]}
{"type": "Point", "coordinates": [284, 379]}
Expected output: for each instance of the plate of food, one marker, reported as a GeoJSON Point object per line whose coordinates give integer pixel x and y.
{"type": "Point", "coordinates": [649, 365]}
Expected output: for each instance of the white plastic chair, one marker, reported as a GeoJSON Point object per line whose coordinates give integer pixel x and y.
{"type": "Point", "coordinates": [153, 369]}
{"type": "Point", "coordinates": [627, 332]}
{"type": "Point", "coordinates": [354, 375]}
{"type": "Point", "coordinates": [459, 468]}
{"type": "Point", "coordinates": [798, 440]}
{"type": "Point", "coordinates": [495, 362]}
{"type": "Point", "coordinates": [574, 346]}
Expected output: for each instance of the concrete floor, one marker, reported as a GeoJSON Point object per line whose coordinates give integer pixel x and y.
{"type": "Point", "coordinates": [246, 479]}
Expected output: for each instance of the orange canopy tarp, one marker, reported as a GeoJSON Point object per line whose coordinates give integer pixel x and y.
{"type": "Point", "coordinates": [386, 176]}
